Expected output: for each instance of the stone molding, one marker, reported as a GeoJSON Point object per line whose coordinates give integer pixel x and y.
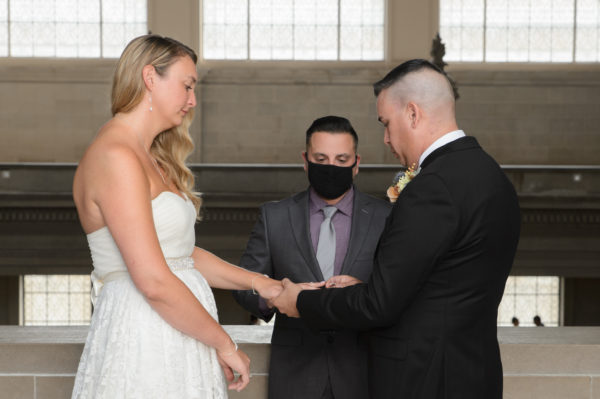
{"type": "Point", "coordinates": [32, 214]}
{"type": "Point", "coordinates": [297, 72]}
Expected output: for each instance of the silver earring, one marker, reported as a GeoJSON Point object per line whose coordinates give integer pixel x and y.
{"type": "Point", "coordinates": [150, 100]}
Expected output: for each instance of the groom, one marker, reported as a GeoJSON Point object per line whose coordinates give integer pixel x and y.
{"type": "Point", "coordinates": [443, 258]}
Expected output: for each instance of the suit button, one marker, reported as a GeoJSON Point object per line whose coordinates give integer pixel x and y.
{"type": "Point", "coordinates": [330, 339]}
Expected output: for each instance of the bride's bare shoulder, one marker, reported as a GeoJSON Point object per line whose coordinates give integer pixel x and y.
{"type": "Point", "coordinates": [111, 145]}
{"type": "Point", "coordinates": [110, 154]}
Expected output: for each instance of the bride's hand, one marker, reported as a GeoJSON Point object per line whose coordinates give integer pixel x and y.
{"type": "Point", "coordinates": [267, 287]}
{"type": "Point", "coordinates": [236, 361]}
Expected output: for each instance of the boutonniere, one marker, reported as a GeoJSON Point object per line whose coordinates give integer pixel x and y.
{"type": "Point", "coordinates": [400, 181]}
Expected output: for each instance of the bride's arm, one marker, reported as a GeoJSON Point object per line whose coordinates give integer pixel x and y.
{"type": "Point", "coordinates": [121, 190]}
{"type": "Point", "coordinates": [221, 274]}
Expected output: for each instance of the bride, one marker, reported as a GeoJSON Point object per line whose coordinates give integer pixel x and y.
{"type": "Point", "coordinates": [154, 332]}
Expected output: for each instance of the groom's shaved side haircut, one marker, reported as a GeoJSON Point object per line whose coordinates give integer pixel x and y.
{"type": "Point", "coordinates": [419, 81]}
{"type": "Point", "coordinates": [332, 124]}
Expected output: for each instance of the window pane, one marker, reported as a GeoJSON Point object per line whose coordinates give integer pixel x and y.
{"type": "Point", "coordinates": [518, 30]}
{"type": "Point", "coordinates": [122, 20]}
{"type": "Point", "coordinates": [361, 33]}
{"type": "Point", "coordinates": [562, 30]}
{"type": "Point", "coordinates": [271, 34]}
{"type": "Point", "coordinates": [71, 28]}
{"type": "Point", "coordinates": [21, 28]}
{"type": "Point", "coordinates": [315, 30]}
{"type": "Point", "coordinates": [541, 31]}
{"type": "Point", "coordinates": [290, 29]}
{"type": "Point", "coordinates": [521, 30]}
{"type": "Point", "coordinates": [461, 28]}
{"type": "Point", "coordinates": [57, 299]}
{"type": "Point", "coordinates": [528, 296]}
{"type": "Point", "coordinates": [496, 31]}
{"type": "Point", "coordinates": [588, 31]}
{"type": "Point", "coordinates": [3, 28]}
{"type": "Point", "coordinates": [225, 29]}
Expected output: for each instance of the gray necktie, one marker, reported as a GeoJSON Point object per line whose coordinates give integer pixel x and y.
{"type": "Point", "coordinates": [326, 245]}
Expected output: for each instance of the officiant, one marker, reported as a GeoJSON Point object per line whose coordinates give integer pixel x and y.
{"type": "Point", "coordinates": [329, 229]}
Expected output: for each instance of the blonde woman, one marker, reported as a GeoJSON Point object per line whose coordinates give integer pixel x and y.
{"type": "Point", "coordinates": [154, 332]}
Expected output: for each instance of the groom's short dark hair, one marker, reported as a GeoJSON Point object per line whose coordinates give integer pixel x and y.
{"type": "Point", "coordinates": [401, 71]}
{"type": "Point", "coordinates": [332, 124]}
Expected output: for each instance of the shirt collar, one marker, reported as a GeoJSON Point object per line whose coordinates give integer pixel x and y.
{"type": "Point", "coordinates": [442, 141]}
{"type": "Point", "coordinates": [345, 205]}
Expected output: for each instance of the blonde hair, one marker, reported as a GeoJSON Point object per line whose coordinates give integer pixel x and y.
{"type": "Point", "coordinates": [171, 147]}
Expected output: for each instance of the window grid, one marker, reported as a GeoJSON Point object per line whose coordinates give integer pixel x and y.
{"type": "Point", "coordinates": [69, 28]}
{"type": "Point", "coordinates": [51, 300]}
{"type": "Point", "coordinates": [521, 30]}
{"type": "Point", "coordinates": [529, 296]}
{"type": "Point", "coordinates": [293, 29]}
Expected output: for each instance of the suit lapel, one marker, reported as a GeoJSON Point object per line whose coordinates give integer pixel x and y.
{"type": "Point", "coordinates": [299, 220]}
{"type": "Point", "coordinates": [362, 213]}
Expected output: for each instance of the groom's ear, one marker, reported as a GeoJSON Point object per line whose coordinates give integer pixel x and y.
{"type": "Point", "coordinates": [413, 113]}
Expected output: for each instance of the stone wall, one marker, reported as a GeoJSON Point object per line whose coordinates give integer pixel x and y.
{"type": "Point", "coordinates": [51, 110]}
{"type": "Point", "coordinates": [539, 363]}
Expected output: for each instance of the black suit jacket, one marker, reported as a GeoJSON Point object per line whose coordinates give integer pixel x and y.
{"type": "Point", "coordinates": [280, 245]}
{"type": "Point", "coordinates": [438, 277]}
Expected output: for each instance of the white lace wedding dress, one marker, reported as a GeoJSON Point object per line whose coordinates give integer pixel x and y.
{"type": "Point", "coordinates": [130, 351]}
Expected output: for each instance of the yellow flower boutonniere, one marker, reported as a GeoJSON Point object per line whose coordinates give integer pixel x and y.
{"type": "Point", "coordinates": [400, 181]}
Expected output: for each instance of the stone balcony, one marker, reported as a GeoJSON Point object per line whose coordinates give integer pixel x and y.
{"type": "Point", "coordinates": [539, 363]}
{"type": "Point", "coordinates": [560, 207]}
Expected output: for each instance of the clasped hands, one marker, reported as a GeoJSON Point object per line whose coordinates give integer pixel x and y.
{"type": "Point", "coordinates": [283, 294]}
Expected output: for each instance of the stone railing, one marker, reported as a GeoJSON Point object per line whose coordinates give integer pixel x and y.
{"type": "Point", "coordinates": [539, 363]}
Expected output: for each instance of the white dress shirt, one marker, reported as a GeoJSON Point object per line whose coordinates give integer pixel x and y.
{"type": "Point", "coordinates": [445, 139]}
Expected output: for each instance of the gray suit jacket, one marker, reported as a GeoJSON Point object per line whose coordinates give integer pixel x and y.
{"type": "Point", "coordinates": [302, 360]}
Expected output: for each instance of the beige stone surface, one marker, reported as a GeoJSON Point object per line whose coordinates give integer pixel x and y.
{"type": "Point", "coordinates": [256, 389]}
{"type": "Point", "coordinates": [551, 359]}
{"type": "Point", "coordinates": [52, 109]}
{"type": "Point", "coordinates": [554, 387]}
{"type": "Point", "coordinates": [259, 357]}
{"type": "Point", "coordinates": [16, 388]}
{"type": "Point", "coordinates": [54, 387]}
{"type": "Point", "coordinates": [39, 358]}
{"type": "Point", "coordinates": [596, 387]}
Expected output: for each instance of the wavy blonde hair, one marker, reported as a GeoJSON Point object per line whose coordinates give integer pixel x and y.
{"type": "Point", "coordinates": [171, 147]}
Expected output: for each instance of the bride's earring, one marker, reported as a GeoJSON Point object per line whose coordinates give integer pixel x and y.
{"type": "Point", "coordinates": [150, 100]}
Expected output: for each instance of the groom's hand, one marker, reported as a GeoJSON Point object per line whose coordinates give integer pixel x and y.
{"type": "Point", "coordinates": [286, 301]}
{"type": "Point", "coordinates": [303, 286]}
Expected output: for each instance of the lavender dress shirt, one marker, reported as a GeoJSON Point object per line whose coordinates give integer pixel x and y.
{"type": "Point", "coordinates": [342, 222]}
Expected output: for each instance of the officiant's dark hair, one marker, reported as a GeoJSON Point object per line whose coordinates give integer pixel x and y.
{"type": "Point", "coordinates": [402, 70]}
{"type": "Point", "coordinates": [332, 124]}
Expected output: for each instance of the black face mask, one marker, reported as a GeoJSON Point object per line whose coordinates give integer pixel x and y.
{"type": "Point", "coordinates": [330, 181]}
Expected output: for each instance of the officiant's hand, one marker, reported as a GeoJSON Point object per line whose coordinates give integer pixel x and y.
{"type": "Point", "coordinates": [286, 302]}
{"type": "Point", "coordinates": [236, 361]}
{"type": "Point", "coordinates": [341, 281]}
